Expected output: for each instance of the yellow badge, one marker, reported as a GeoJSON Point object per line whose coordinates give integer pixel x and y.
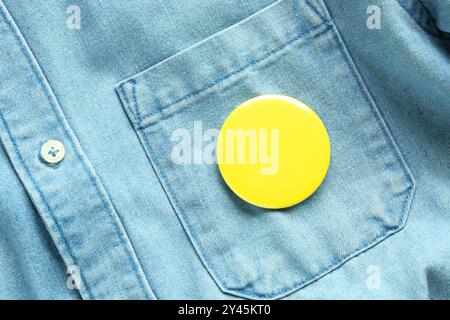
{"type": "Point", "coordinates": [273, 151]}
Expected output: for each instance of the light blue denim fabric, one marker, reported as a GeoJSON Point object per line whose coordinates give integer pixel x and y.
{"type": "Point", "coordinates": [140, 226]}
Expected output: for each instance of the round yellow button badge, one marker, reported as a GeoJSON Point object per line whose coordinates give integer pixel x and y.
{"type": "Point", "coordinates": [273, 151]}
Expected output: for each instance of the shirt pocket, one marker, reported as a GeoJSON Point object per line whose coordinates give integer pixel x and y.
{"type": "Point", "coordinates": [290, 48]}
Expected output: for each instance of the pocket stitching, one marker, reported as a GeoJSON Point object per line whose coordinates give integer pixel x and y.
{"type": "Point", "coordinates": [285, 291]}
{"type": "Point", "coordinates": [406, 194]}
{"type": "Point", "coordinates": [147, 121]}
{"type": "Point", "coordinates": [197, 243]}
{"type": "Point", "coordinates": [136, 114]}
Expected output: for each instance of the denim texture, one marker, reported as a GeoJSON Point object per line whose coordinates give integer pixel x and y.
{"type": "Point", "coordinates": [140, 226]}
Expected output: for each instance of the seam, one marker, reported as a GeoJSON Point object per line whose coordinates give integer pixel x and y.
{"type": "Point", "coordinates": [315, 10]}
{"type": "Point", "coordinates": [134, 99]}
{"type": "Point", "coordinates": [133, 106]}
{"type": "Point", "coordinates": [324, 271]}
{"type": "Point", "coordinates": [373, 106]}
{"type": "Point", "coordinates": [171, 196]}
{"type": "Point", "coordinates": [315, 32]}
{"type": "Point", "coordinates": [43, 199]}
{"type": "Point", "coordinates": [123, 94]}
{"type": "Point", "coordinates": [61, 119]}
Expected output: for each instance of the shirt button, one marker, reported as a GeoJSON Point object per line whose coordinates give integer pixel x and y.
{"type": "Point", "coordinates": [53, 151]}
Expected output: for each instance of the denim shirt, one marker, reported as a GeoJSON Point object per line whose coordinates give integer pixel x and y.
{"type": "Point", "coordinates": [120, 83]}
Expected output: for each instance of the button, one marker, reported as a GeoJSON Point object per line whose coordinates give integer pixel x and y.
{"type": "Point", "coordinates": [273, 151]}
{"type": "Point", "coordinates": [53, 151]}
